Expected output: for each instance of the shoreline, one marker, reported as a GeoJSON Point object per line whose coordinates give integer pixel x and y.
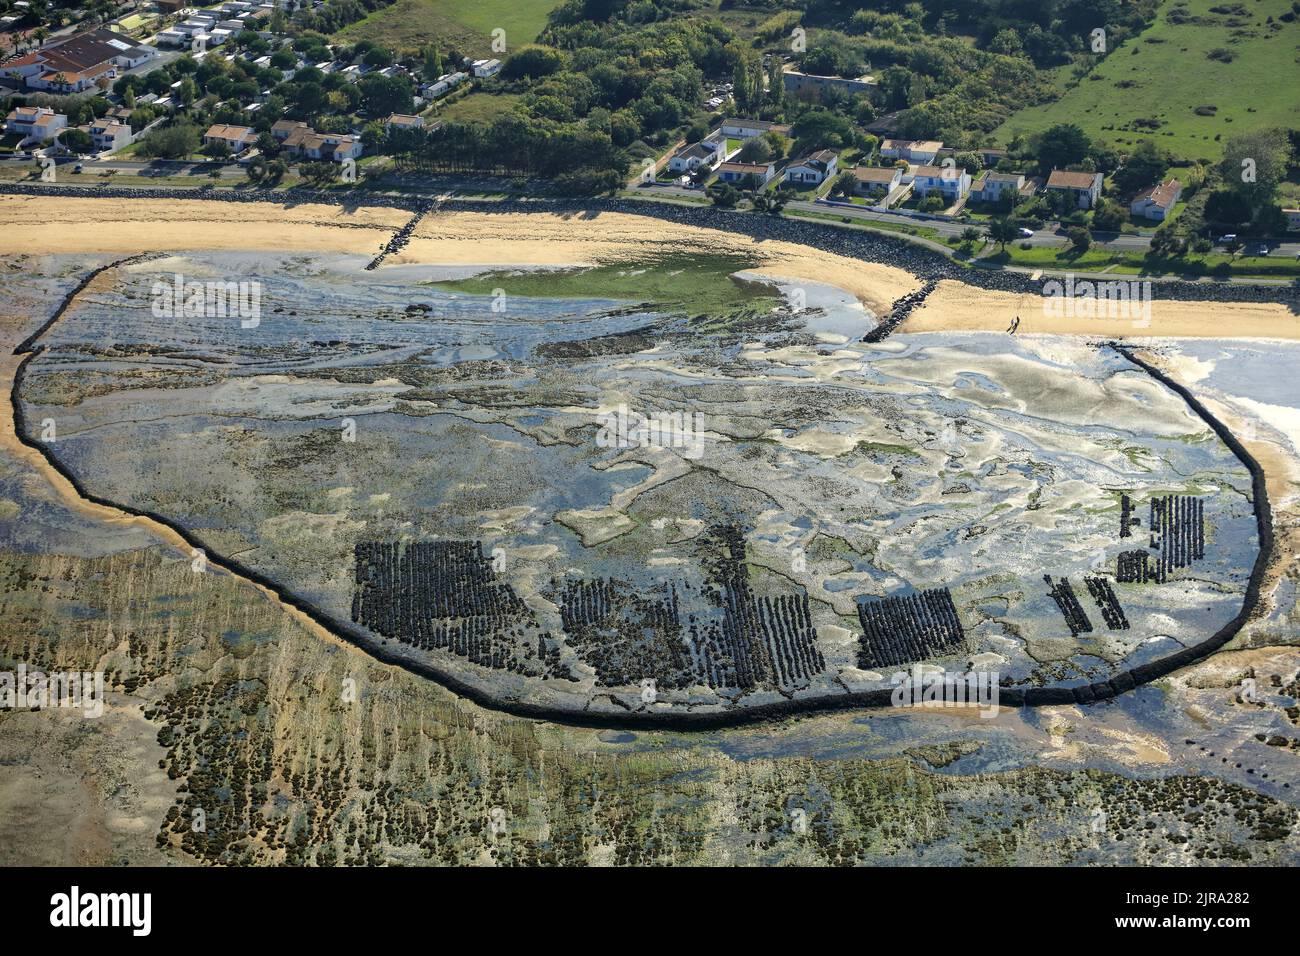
{"type": "Point", "coordinates": [877, 269]}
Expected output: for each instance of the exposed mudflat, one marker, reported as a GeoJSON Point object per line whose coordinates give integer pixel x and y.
{"type": "Point", "coordinates": [431, 468]}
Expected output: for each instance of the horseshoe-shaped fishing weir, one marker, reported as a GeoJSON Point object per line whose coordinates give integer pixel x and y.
{"type": "Point", "coordinates": [318, 622]}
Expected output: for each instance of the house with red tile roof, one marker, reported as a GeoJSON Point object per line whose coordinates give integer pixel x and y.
{"type": "Point", "coordinates": [1155, 202]}
{"type": "Point", "coordinates": [1084, 189]}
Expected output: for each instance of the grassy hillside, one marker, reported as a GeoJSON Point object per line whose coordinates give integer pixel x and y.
{"type": "Point", "coordinates": [408, 24]}
{"type": "Point", "coordinates": [1167, 85]}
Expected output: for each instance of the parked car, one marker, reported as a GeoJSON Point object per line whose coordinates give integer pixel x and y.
{"type": "Point", "coordinates": [1228, 239]}
{"type": "Point", "coordinates": [1025, 233]}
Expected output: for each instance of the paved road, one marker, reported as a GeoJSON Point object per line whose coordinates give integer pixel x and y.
{"type": "Point", "coordinates": [1052, 234]}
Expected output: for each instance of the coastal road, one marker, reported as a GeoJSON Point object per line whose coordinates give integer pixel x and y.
{"type": "Point", "coordinates": [1053, 234]}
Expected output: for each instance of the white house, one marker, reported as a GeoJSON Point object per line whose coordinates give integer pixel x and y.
{"type": "Point", "coordinates": [36, 124]}
{"type": "Point", "coordinates": [814, 169]}
{"type": "Point", "coordinates": [921, 151]}
{"type": "Point", "coordinates": [738, 172]}
{"type": "Point", "coordinates": [486, 68]}
{"type": "Point", "coordinates": [1155, 202]}
{"type": "Point", "coordinates": [403, 121]}
{"type": "Point", "coordinates": [304, 142]}
{"type": "Point", "coordinates": [734, 128]}
{"type": "Point", "coordinates": [1084, 189]}
{"type": "Point", "coordinates": [236, 138]}
{"type": "Point", "coordinates": [445, 83]}
{"type": "Point", "coordinates": [993, 186]}
{"type": "Point", "coordinates": [950, 182]}
{"type": "Point", "coordinates": [876, 180]}
{"type": "Point", "coordinates": [108, 134]}
{"type": "Point", "coordinates": [688, 159]}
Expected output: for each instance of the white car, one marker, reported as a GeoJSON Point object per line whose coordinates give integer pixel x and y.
{"type": "Point", "coordinates": [1025, 233]}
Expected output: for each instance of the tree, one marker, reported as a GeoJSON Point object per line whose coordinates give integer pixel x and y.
{"type": "Point", "coordinates": [1228, 207]}
{"type": "Point", "coordinates": [384, 95]}
{"type": "Point", "coordinates": [755, 150]}
{"type": "Point", "coordinates": [378, 57]}
{"type": "Point", "coordinates": [1003, 231]}
{"type": "Point", "coordinates": [319, 173]}
{"type": "Point", "coordinates": [432, 67]}
{"type": "Point", "coordinates": [1080, 238]}
{"type": "Point", "coordinates": [969, 161]}
{"type": "Point", "coordinates": [970, 235]}
{"type": "Point", "coordinates": [724, 195]}
{"type": "Point", "coordinates": [1060, 146]}
{"type": "Point", "coordinates": [821, 129]}
{"type": "Point", "coordinates": [775, 81]}
{"type": "Point", "coordinates": [1166, 242]}
{"type": "Point", "coordinates": [845, 184]}
{"type": "Point", "coordinates": [895, 82]}
{"type": "Point", "coordinates": [217, 150]}
{"type": "Point", "coordinates": [532, 61]}
{"type": "Point", "coordinates": [1108, 216]}
{"type": "Point", "coordinates": [1254, 164]}
{"type": "Point", "coordinates": [76, 141]}
{"type": "Point", "coordinates": [171, 142]}
{"type": "Point", "coordinates": [1143, 167]}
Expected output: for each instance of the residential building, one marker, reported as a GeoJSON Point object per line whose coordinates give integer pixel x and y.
{"type": "Point", "coordinates": [810, 84]}
{"type": "Point", "coordinates": [736, 173]}
{"type": "Point", "coordinates": [922, 152]}
{"type": "Point", "coordinates": [1292, 219]}
{"type": "Point", "coordinates": [403, 121]}
{"type": "Point", "coordinates": [108, 134]}
{"type": "Point", "coordinates": [76, 63]}
{"type": "Point", "coordinates": [304, 142]}
{"type": "Point", "coordinates": [950, 182]}
{"type": "Point", "coordinates": [733, 128]}
{"type": "Point", "coordinates": [991, 187]}
{"type": "Point", "coordinates": [485, 68]}
{"type": "Point", "coordinates": [813, 169]}
{"type": "Point", "coordinates": [281, 129]}
{"type": "Point", "coordinates": [876, 180]}
{"type": "Point", "coordinates": [688, 159]}
{"type": "Point", "coordinates": [1084, 189]}
{"type": "Point", "coordinates": [36, 124]}
{"type": "Point", "coordinates": [1155, 202]}
{"type": "Point", "coordinates": [444, 84]}
{"type": "Point", "coordinates": [237, 138]}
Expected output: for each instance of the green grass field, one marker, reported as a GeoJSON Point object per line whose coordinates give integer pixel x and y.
{"type": "Point", "coordinates": [1130, 263]}
{"type": "Point", "coordinates": [477, 107]}
{"type": "Point", "coordinates": [1166, 73]}
{"type": "Point", "coordinates": [408, 24]}
{"type": "Point", "coordinates": [696, 283]}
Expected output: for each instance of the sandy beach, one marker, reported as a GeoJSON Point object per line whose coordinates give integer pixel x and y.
{"type": "Point", "coordinates": [956, 307]}
{"type": "Point", "coordinates": [37, 225]}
